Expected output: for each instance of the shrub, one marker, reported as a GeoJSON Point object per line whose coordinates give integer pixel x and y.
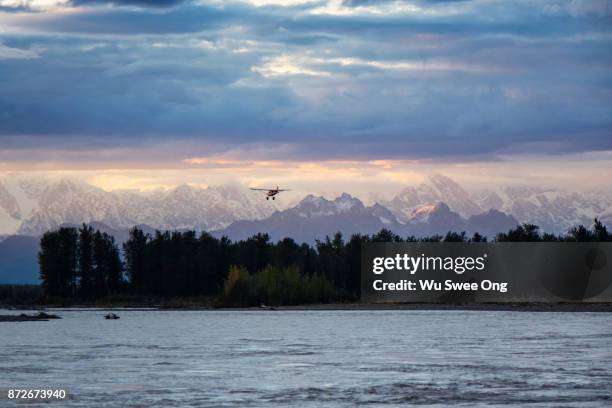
{"type": "Point", "coordinates": [274, 285]}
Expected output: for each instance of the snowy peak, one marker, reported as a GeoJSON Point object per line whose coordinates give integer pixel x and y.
{"type": "Point", "coordinates": [425, 212]}
{"type": "Point", "coordinates": [316, 217]}
{"type": "Point", "coordinates": [346, 202]}
{"type": "Point", "coordinates": [446, 186]}
{"type": "Point", "coordinates": [553, 210]}
{"type": "Point", "coordinates": [435, 189]}
{"type": "Point", "coordinates": [489, 200]}
{"type": "Point", "coordinates": [181, 192]}
{"type": "Point", "coordinates": [384, 215]}
{"type": "Point", "coordinates": [8, 203]}
{"type": "Point", "coordinates": [450, 192]}
{"type": "Point", "coordinates": [436, 219]}
{"type": "Point", "coordinates": [312, 206]}
{"type": "Point", "coordinates": [31, 206]}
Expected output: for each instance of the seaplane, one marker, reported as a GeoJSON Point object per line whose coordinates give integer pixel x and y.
{"type": "Point", "coordinates": [270, 192]}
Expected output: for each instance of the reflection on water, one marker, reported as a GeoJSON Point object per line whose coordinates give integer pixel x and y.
{"type": "Point", "coordinates": [318, 358]}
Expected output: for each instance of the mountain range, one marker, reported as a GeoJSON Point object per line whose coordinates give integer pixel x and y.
{"type": "Point", "coordinates": [29, 206]}
{"type": "Point", "coordinates": [316, 217]}
{"type": "Point", "coordinates": [32, 206]}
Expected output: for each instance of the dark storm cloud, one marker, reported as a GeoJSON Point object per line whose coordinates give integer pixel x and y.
{"type": "Point", "coordinates": [28, 6]}
{"type": "Point", "coordinates": [186, 19]}
{"type": "Point", "coordinates": [481, 79]}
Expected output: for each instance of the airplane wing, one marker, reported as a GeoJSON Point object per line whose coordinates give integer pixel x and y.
{"type": "Point", "coordinates": [268, 189]}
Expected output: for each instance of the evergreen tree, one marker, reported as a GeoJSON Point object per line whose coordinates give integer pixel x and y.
{"type": "Point", "coordinates": [254, 253]}
{"type": "Point", "coordinates": [353, 261]}
{"type": "Point", "coordinates": [85, 260]}
{"type": "Point", "coordinates": [522, 233]}
{"type": "Point", "coordinates": [288, 253]}
{"type": "Point", "coordinates": [386, 235]}
{"type": "Point", "coordinates": [455, 237]}
{"type": "Point", "coordinates": [114, 268]}
{"type": "Point", "coordinates": [332, 260]}
{"type": "Point", "coordinates": [58, 262]}
{"type": "Point", "coordinates": [159, 257]}
{"type": "Point", "coordinates": [49, 264]}
{"type": "Point", "coordinates": [107, 269]}
{"type": "Point", "coordinates": [136, 260]}
{"type": "Point", "coordinates": [478, 238]}
{"type": "Point", "coordinates": [601, 232]}
{"type": "Point", "coordinates": [68, 259]}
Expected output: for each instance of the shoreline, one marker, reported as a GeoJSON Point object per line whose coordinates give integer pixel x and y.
{"type": "Point", "coordinates": [515, 307]}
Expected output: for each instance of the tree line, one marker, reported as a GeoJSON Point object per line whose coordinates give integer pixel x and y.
{"type": "Point", "coordinates": [80, 263]}
{"type": "Point", "coordinates": [85, 263]}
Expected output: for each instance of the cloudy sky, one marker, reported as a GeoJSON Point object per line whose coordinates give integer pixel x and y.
{"type": "Point", "coordinates": [359, 93]}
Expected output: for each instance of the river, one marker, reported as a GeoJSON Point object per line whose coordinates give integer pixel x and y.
{"type": "Point", "coordinates": [312, 358]}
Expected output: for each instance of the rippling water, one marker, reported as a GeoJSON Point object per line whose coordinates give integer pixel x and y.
{"type": "Point", "coordinates": [313, 358]}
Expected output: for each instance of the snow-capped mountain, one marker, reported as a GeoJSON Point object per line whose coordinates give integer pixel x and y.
{"type": "Point", "coordinates": [435, 189]}
{"type": "Point", "coordinates": [438, 219]}
{"type": "Point", "coordinates": [434, 219]}
{"type": "Point", "coordinates": [316, 217]}
{"type": "Point", "coordinates": [31, 207]}
{"type": "Point", "coordinates": [9, 204]}
{"type": "Point", "coordinates": [551, 209]}
{"type": "Point", "coordinates": [554, 210]}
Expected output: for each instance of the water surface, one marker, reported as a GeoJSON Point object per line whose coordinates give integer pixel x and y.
{"type": "Point", "coordinates": [313, 358]}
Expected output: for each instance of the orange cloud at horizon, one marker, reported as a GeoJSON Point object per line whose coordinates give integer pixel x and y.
{"type": "Point", "coordinates": [329, 177]}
